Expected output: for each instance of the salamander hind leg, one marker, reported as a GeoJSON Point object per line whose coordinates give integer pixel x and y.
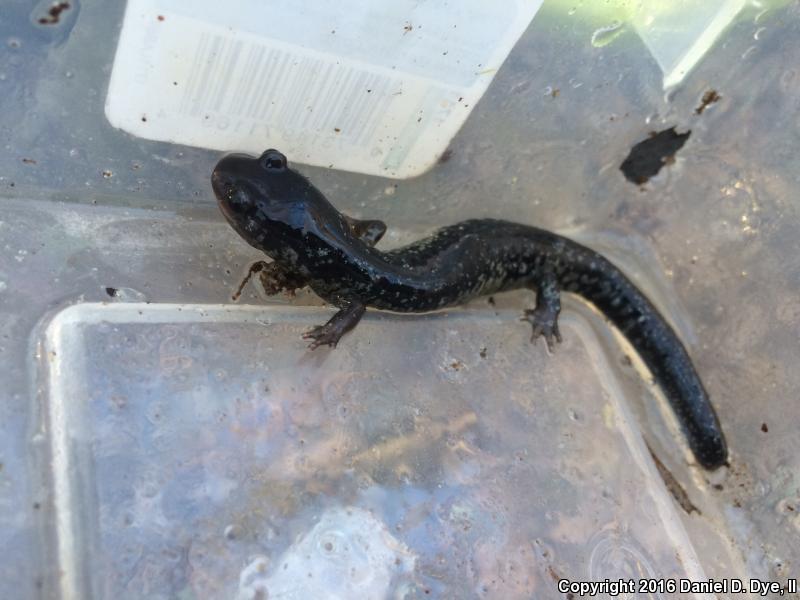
{"type": "Point", "coordinates": [331, 332]}
{"type": "Point", "coordinates": [544, 318]}
{"type": "Point", "coordinates": [274, 278]}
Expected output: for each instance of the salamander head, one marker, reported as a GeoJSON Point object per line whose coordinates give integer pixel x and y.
{"type": "Point", "coordinates": [245, 185]}
{"type": "Point", "coordinates": [270, 205]}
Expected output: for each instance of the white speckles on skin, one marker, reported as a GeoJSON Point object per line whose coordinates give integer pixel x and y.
{"type": "Point", "coordinates": [289, 256]}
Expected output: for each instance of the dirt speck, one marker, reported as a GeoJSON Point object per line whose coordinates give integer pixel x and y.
{"type": "Point", "coordinates": [119, 401]}
{"type": "Point", "coordinates": [709, 98]}
{"type": "Point", "coordinates": [29, 161]}
{"type": "Point", "coordinates": [483, 352]}
{"type": "Point", "coordinates": [54, 14]}
{"type": "Point", "coordinates": [160, 17]}
{"type": "Point", "coordinates": [764, 428]}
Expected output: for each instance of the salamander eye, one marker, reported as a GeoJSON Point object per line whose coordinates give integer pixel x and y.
{"type": "Point", "coordinates": [272, 160]}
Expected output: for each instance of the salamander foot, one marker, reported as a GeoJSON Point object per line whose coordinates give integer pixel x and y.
{"type": "Point", "coordinates": [545, 323]}
{"type": "Point", "coordinates": [331, 332]}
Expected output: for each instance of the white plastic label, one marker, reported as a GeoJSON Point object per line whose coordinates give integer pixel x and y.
{"type": "Point", "coordinates": [377, 87]}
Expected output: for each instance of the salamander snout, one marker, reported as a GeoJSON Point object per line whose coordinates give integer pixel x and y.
{"type": "Point", "coordinates": [228, 173]}
{"type": "Point", "coordinates": [221, 183]}
{"type": "Point", "coordinates": [231, 181]}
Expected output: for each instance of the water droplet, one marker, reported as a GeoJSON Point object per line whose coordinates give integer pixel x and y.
{"type": "Point", "coordinates": [605, 35]}
{"type": "Point", "coordinates": [746, 54]}
{"type": "Point", "coordinates": [233, 532]}
{"type": "Point", "coordinates": [13, 43]}
{"type": "Point", "coordinates": [760, 15]}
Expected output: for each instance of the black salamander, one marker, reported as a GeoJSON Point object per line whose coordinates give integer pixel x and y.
{"type": "Point", "coordinates": [279, 212]}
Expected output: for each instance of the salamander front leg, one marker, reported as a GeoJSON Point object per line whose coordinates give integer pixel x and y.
{"type": "Point", "coordinates": [274, 278]}
{"type": "Point", "coordinates": [342, 322]}
{"type": "Point", "coordinates": [544, 318]}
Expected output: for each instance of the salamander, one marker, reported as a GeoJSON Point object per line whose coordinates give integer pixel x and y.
{"type": "Point", "coordinates": [279, 212]}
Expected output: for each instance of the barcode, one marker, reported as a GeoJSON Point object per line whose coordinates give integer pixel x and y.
{"type": "Point", "coordinates": [292, 91]}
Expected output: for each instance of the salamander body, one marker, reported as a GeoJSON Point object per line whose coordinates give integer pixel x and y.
{"type": "Point", "coordinates": [281, 213]}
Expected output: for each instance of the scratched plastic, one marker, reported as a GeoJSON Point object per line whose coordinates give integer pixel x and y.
{"type": "Point", "coordinates": [159, 441]}
{"type": "Point", "coordinates": [412, 463]}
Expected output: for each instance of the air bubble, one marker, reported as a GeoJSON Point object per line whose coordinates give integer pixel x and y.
{"type": "Point", "coordinates": [605, 35]}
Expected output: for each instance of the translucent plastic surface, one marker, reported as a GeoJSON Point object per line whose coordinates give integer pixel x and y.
{"type": "Point", "coordinates": [423, 447]}
{"type": "Point", "coordinates": [159, 441]}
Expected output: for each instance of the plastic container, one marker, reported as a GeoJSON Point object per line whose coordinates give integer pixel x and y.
{"type": "Point", "coordinates": [159, 441]}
